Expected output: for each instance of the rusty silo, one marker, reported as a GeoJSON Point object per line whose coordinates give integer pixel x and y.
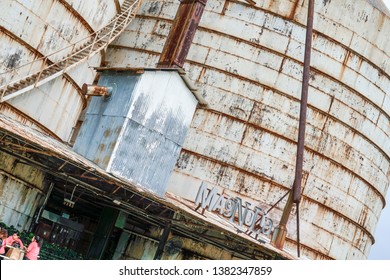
{"type": "Point", "coordinates": [247, 60]}
{"type": "Point", "coordinates": [47, 49]}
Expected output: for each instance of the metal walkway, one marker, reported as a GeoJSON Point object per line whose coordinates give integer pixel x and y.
{"type": "Point", "coordinates": [43, 70]}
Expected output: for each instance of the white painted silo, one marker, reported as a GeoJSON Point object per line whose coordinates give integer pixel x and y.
{"type": "Point", "coordinates": [33, 36]}
{"type": "Point", "coordinates": [247, 60]}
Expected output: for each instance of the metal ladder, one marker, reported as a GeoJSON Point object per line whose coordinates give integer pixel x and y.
{"type": "Point", "coordinates": [76, 54]}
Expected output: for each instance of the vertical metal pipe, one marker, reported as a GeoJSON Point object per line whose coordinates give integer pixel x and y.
{"type": "Point", "coordinates": [280, 232]}
{"type": "Point", "coordinates": [303, 110]}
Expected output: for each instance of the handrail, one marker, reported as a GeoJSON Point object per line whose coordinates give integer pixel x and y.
{"type": "Point", "coordinates": [79, 52]}
{"type": "Point", "coordinates": [67, 47]}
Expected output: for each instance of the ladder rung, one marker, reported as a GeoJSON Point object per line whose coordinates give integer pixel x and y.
{"type": "Point", "coordinates": [14, 87]}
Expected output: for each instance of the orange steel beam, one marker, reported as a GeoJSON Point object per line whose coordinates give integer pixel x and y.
{"type": "Point", "coordinates": [182, 33]}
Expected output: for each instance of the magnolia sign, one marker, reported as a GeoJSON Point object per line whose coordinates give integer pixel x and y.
{"type": "Point", "coordinates": [254, 219]}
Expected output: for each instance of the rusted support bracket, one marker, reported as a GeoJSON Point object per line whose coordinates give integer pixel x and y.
{"type": "Point", "coordinates": [182, 33]}
{"type": "Point", "coordinates": [94, 90]}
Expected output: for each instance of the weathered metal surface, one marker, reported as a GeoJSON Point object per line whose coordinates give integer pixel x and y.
{"type": "Point", "coordinates": [137, 132]}
{"type": "Point", "coordinates": [56, 158]}
{"type": "Point", "coordinates": [181, 34]}
{"type": "Point", "coordinates": [33, 29]}
{"type": "Point", "coordinates": [144, 243]}
{"type": "Point", "coordinates": [31, 104]}
{"type": "Point", "coordinates": [104, 120]}
{"type": "Point", "coordinates": [13, 113]}
{"type": "Point", "coordinates": [295, 195]}
{"type": "Point", "coordinates": [52, 24]}
{"type": "Point", "coordinates": [297, 188]}
{"type": "Point", "coordinates": [77, 53]}
{"type": "Point", "coordinates": [21, 53]}
{"type": "Point", "coordinates": [247, 61]}
{"type": "Point", "coordinates": [13, 53]}
{"type": "Point", "coordinates": [93, 90]}
{"type": "Point", "coordinates": [96, 12]}
{"type": "Point", "coordinates": [380, 5]}
{"type": "Point", "coordinates": [21, 191]}
{"type": "Point", "coordinates": [146, 158]}
{"type": "Point", "coordinates": [85, 72]}
{"type": "Point", "coordinates": [143, 249]}
{"type": "Point", "coordinates": [55, 105]}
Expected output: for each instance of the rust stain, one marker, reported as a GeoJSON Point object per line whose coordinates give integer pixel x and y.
{"type": "Point", "coordinates": [117, 6]}
{"type": "Point", "coordinates": [293, 10]}
{"type": "Point", "coordinates": [310, 106]}
{"type": "Point", "coordinates": [344, 65]}
{"type": "Point", "coordinates": [38, 54]}
{"type": "Point", "coordinates": [27, 182]}
{"type": "Point", "coordinates": [107, 133]}
{"type": "Point", "coordinates": [20, 41]}
{"type": "Point", "coordinates": [201, 74]}
{"type": "Point", "coordinates": [76, 14]}
{"type": "Point", "coordinates": [225, 7]}
{"type": "Point", "coordinates": [181, 34]}
{"type": "Point", "coordinates": [101, 147]}
{"type": "Point", "coordinates": [3, 180]}
{"type": "Point", "coordinates": [188, 157]}
{"type": "Point", "coordinates": [309, 251]}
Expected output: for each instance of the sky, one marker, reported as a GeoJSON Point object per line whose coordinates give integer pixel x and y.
{"type": "Point", "coordinates": [381, 249]}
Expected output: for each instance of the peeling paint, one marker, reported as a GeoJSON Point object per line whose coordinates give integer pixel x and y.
{"type": "Point", "coordinates": [21, 192]}
{"type": "Point", "coordinates": [247, 62]}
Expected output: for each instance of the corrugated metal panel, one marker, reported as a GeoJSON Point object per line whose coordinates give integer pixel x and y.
{"type": "Point", "coordinates": [98, 137]}
{"type": "Point", "coordinates": [144, 156]}
{"type": "Point", "coordinates": [163, 103]}
{"type": "Point", "coordinates": [137, 133]}
{"type": "Point", "coordinates": [119, 104]}
{"type": "Point", "coordinates": [105, 119]}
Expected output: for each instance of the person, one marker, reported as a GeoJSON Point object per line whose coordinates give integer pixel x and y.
{"type": "Point", "coordinates": [14, 241]}
{"type": "Point", "coordinates": [3, 237]}
{"type": "Point", "coordinates": [33, 248]}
